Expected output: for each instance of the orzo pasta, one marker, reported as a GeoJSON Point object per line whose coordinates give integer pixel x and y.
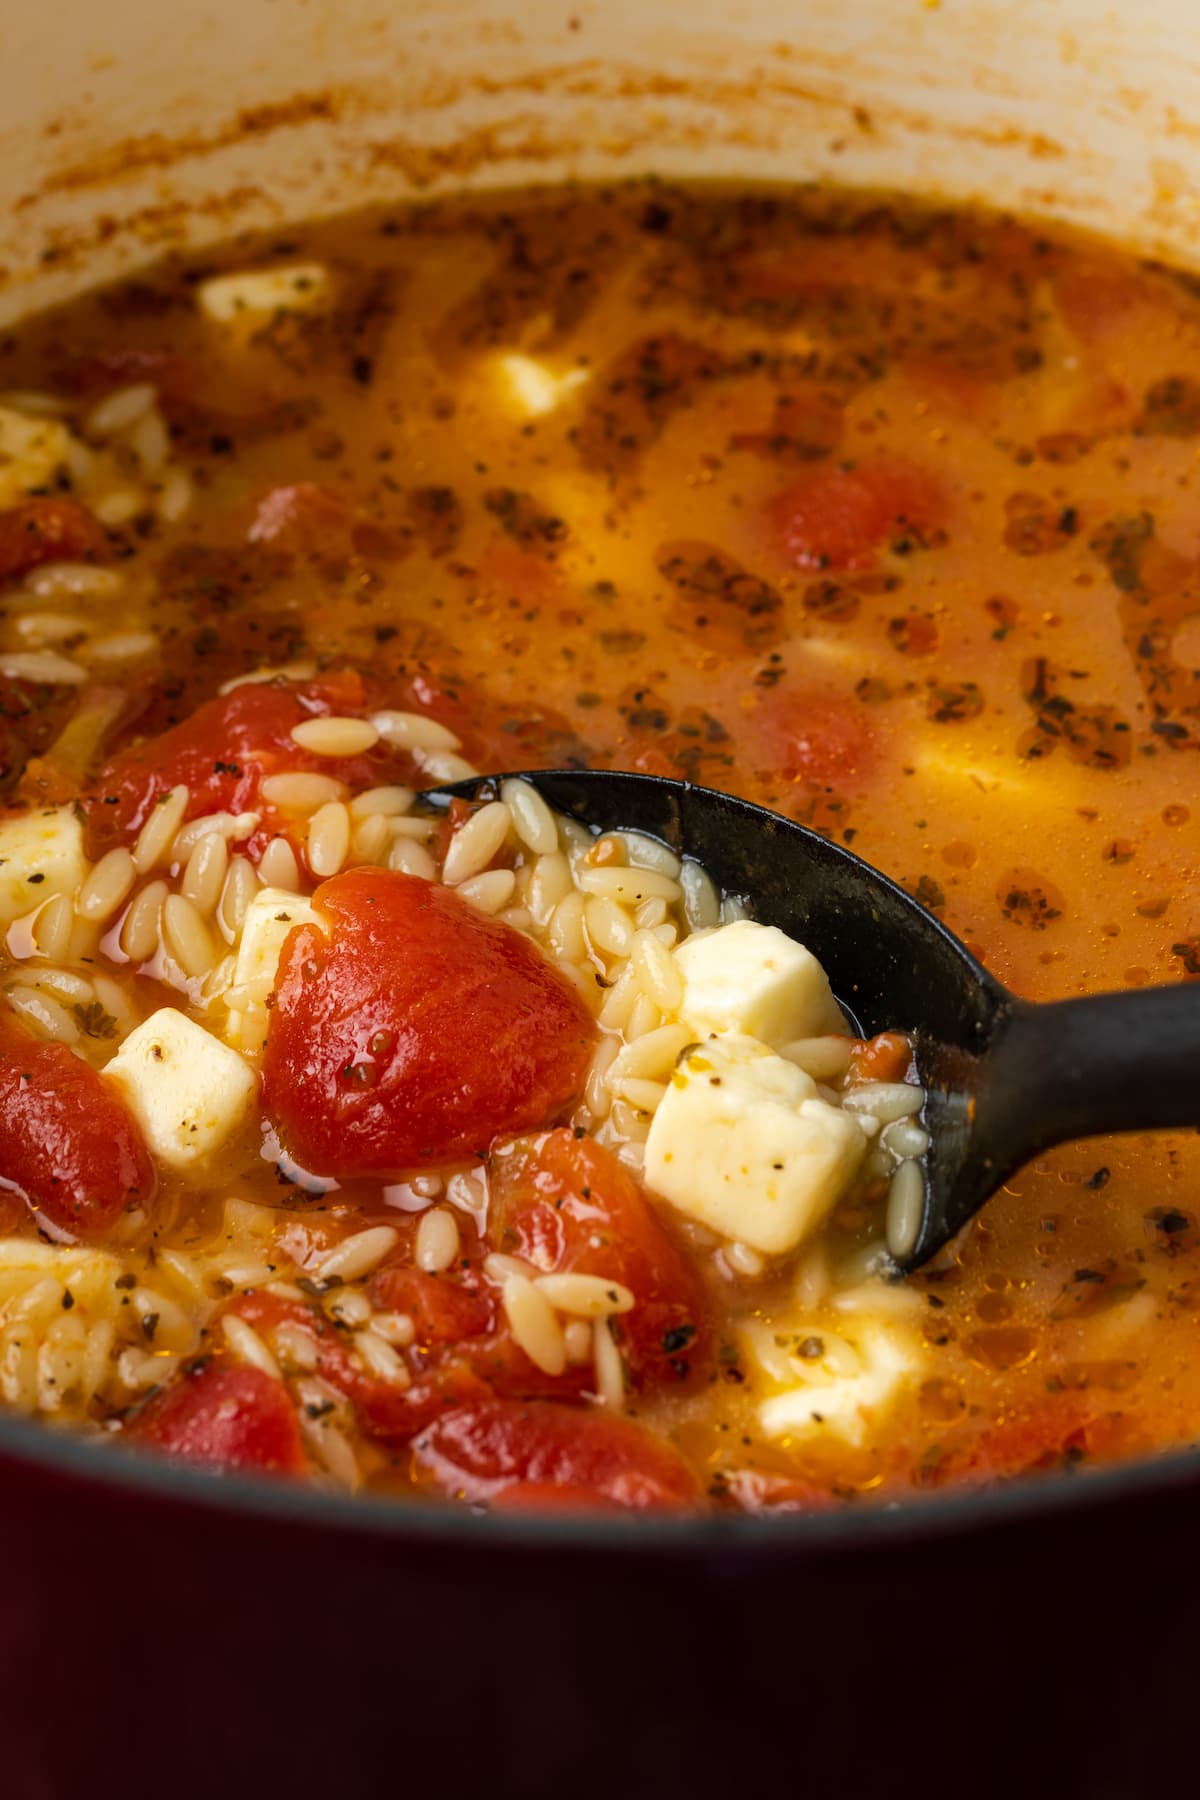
{"type": "Point", "coordinates": [379, 1146]}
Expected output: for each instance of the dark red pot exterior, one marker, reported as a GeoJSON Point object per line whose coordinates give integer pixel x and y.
{"type": "Point", "coordinates": [158, 1645]}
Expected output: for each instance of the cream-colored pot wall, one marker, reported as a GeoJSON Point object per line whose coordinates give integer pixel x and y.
{"type": "Point", "coordinates": [130, 123]}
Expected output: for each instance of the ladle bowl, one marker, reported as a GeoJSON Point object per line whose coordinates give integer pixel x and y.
{"type": "Point", "coordinates": [1004, 1078]}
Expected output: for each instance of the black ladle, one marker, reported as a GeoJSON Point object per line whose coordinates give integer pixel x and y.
{"type": "Point", "coordinates": [1004, 1078]}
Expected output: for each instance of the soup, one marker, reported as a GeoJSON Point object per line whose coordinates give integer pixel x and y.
{"type": "Point", "coordinates": [879, 516]}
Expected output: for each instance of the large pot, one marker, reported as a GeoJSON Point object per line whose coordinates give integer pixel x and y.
{"type": "Point", "coordinates": [161, 1631]}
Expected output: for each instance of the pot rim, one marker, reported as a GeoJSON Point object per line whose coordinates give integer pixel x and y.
{"type": "Point", "coordinates": [130, 1473]}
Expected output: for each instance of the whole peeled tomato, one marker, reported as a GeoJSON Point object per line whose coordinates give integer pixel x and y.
{"type": "Point", "coordinates": [414, 1030]}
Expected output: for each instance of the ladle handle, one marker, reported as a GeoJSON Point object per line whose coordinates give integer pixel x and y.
{"type": "Point", "coordinates": [1077, 1068]}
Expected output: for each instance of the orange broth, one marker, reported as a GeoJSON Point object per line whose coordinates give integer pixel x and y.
{"type": "Point", "coordinates": [887, 518]}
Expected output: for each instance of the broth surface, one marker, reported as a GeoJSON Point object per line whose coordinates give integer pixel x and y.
{"type": "Point", "coordinates": [884, 517]}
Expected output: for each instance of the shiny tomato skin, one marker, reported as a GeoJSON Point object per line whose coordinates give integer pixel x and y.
{"type": "Point", "coordinates": [444, 1309]}
{"type": "Point", "coordinates": [225, 1415]}
{"type": "Point", "coordinates": [415, 1032]}
{"type": "Point", "coordinates": [266, 1312]}
{"type": "Point", "coordinates": [224, 751]}
{"type": "Point", "coordinates": [841, 518]}
{"type": "Point", "coordinates": [47, 530]}
{"type": "Point", "coordinates": [568, 1204]}
{"type": "Point", "coordinates": [475, 1452]}
{"type": "Point", "coordinates": [395, 1415]}
{"type": "Point", "coordinates": [458, 1321]}
{"type": "Point", "coordinates": [882, 1058]}
{"type": "Point", "coordinates": [67, 1140]}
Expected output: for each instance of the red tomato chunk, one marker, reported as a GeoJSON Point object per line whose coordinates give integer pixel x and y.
{"type": "Point", "coordinates": [225, 1415]}
{"type": "Point", "coordinates": [40, 531]}
{"type": "Point", "coordinates": [841, 518]}
{"type": "Point", "coordinates": [812, 738]}
{"type": "Point", "coordinates": [389, 1411]}
{"type": "Point", "coordinates": [444, 1308]}
{"type": "Point", "coordinates": [67, 1142]}
{"type": "Point", "coordinates": [567, 1204]}
{"type": "Point", "coordinates": [883, 1058]}
{"type": "Point", "coordinates": [225, 751]}
{"type": "Point", "coordinates": [477, 1452]}
{"type": "Point", "coordinates": [415, 1032]}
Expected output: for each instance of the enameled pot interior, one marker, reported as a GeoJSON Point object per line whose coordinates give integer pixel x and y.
{"type": "Point", "coordinates": [123, 136]}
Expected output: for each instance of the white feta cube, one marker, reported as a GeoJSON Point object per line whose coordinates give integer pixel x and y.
{"type": "Point", "coordinates": [741, 1143]}
{"type": "Point", "coordinates": [754, 979]}
{"type": "Point", "coordinates": [848, 1406]}
{"type": "Point", "coordinates": [270, 916]}
{"type": "Point", "coordinates": [32, 451]}
{"type": "Point", "coordinates": [189, 1092]}
{"type": "Point", "coordinates": [258, 293]}
{"type": "Point", "coordinates": [41, 854]}
{"type": "Point", "coordinates": [528, 389]}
